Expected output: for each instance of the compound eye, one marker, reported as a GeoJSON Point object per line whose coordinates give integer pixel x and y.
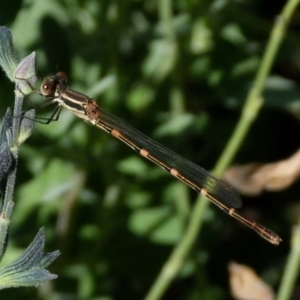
{"type": "Point", "coordinates": [62, 78]}
{"type": "Point", "coordinates": [48, 87]}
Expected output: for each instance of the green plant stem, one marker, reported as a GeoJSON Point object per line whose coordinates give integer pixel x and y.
{"type": "Point", "coordinates": [176, 260]}
{"type": "Point", "coordinates": [165, 13]}
{"type": "Point", "coordinates": [291, 270]}
{"type": "Point", "coordinates": [250, 111]}
{"type": "Point", "coordinates": [254, 98]}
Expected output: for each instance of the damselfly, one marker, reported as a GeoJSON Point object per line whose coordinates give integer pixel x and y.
{"type": "Point", "coordinates": [217, 190]}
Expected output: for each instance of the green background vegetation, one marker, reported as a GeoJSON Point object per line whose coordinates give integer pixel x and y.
{"type": "Point", "coordinates": [181, 80]}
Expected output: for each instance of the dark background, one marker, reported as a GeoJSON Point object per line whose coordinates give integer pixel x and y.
{"type": "Point", "coordinates": [114, 216]}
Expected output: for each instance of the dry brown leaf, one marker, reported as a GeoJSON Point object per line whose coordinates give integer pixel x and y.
{"type": "Point", "coordinates": [245, 284]}
{"type": "Point", "coordinates": [252, 179]}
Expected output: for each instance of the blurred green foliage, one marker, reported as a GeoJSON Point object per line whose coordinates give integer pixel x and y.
{"type": "Point", "coordinates": [179, 72]}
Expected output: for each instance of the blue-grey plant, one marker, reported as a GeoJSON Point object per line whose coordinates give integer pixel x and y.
{"type": "Point", "coordinates": [29, 268]}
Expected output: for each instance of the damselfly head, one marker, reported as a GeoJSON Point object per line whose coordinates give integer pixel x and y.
{"type": "Point", "coordinates": [51, 84]}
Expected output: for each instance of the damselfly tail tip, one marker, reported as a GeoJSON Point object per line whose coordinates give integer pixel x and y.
{"type": "Point", "coordinates": [271, 236]}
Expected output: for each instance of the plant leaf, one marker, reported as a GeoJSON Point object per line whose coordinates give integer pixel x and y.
{"type": "Point", "coordinates": [28, 269]}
